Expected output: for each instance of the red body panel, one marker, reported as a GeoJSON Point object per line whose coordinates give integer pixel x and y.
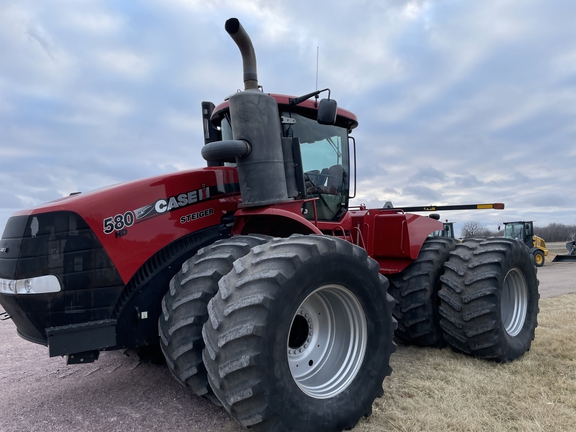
{"type": "Point", "coordinates": [391, 237]}
{"type": "Point", "coordinates": [135, 220]}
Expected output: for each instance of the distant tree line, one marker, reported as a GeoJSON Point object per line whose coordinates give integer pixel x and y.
{"type": "Point", "coordinates": [554, 232]}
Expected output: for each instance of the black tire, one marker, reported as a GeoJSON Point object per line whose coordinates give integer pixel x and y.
{"type": "Point", "coordinates": [539, 258]}
{"type": "Point", "coordinates": [415, 291]}
{"type": "Point", "coordinates": [272, 316]}
{"type": "Point", "coordinates": [184, 309]}
{"type": "Point", "coordinates": [489, 299]}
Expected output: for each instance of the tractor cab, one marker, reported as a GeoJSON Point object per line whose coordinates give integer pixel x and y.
{"type": "Point", "coordinates": [316, 152]}
{"type": "Point", "coordinates": [523, 231]}
{"type": "Point", "coordinates": [447, 231]}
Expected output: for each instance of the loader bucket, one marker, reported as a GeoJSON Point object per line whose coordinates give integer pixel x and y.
{"type": "Point", "coordinates": [564, 258]}
{"type": "Point", "coordinates": [571, 257]}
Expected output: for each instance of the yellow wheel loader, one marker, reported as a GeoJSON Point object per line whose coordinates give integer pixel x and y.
{"type": "Point", "coordinates": [524, 232]}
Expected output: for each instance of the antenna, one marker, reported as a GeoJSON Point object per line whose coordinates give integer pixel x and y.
{"type": "Point", "coordinates": [316, 97]}
{"type": "Point", "coordinates": [317, 56]}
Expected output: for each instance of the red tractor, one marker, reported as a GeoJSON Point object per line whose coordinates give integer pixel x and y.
{"type": "Point", "coordinates": [264, 289]}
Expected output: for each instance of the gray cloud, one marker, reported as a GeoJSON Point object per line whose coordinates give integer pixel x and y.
{"type": "Point", "coordinates": [422, 193]}
{"type": "Point", "coordinates": [457, 102]}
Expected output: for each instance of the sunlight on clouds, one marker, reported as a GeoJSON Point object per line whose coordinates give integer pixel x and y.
{"type": "Point", "coordinates": [371, 192]}
{"type": "Point", "coordinates": [14, 151]}
{"type": "Point", "coordinates": [28, 201]}
{"type": "Point", "coordinates": [480, 33]}
{"type": "Point", "coordinates": [266, 18]}
{"type": "Point", "coordinates": [97, 22]}
{"type": "Point", "coordinates": [28, 48]}
{"type": "Point", "coordinates": [183, 120]}
{"type": "Point", "coordinates": [192, 4]}
{"type": "Point", "coordinates": [15, 20]}
{"type": "Point", "coordinates": [211, 77]}
{"type": "Point", "coordinates": [526, 106]}
{"type": "Point", "coordinates": [412, 10]}
{"type": "Point", "coordinates": [126, 63]}
{"type": "Point", "coordinates": [64, 186]}
{"type": "Point", "coordinates": [252, 9]}
{"type": "Point", "coordinates": [108, 105]}
{"type": "Point", "coordinates": [564, 65]}
{"type": "Point", "coordinates": [5, 106]}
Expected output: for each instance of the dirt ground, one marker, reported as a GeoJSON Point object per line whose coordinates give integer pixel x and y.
{"type": "Point", "coordinates": [119, 393]}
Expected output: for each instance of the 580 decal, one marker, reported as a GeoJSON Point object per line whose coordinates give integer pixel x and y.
{"type": "Point", "coordinates": [118, 222]}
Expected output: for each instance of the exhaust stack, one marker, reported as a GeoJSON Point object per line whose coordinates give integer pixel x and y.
{"type": "Point", "coordinates": [239, 35]}
{"type": "Point", "coordinates": [256, 145]}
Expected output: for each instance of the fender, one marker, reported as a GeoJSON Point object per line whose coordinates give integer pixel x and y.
{"type": "Point", "coordinates": [280, 220]}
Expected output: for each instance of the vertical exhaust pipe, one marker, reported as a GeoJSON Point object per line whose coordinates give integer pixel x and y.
{"type": "Point", "coordinates": [256, 122]}
{"type": "Point", "coordinates": [239, 35]}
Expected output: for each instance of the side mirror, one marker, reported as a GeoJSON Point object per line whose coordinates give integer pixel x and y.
{"type": "Point", "coordinates": [327, 110]}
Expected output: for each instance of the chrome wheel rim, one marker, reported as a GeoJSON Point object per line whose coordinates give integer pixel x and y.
{"type": "Point", "coordinates": [327, 341]}
{"type": "Point", "coordinates": [514, 302]}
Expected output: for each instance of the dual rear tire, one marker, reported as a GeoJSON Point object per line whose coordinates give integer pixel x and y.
{"type": "Point", "coordinates": [415, 291]}
{"type": "Point", "coordinates": [489, 299]}
{"type": "Point", "coordinates": [479, 296]}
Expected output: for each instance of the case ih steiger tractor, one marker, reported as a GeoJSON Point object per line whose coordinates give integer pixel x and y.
{"type": "Point", "coordinates": [266, 292]}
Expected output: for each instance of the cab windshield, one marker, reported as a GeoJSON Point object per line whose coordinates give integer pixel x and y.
{"type": "Point", "coordinates": [514, 231]}
{"type": "Point", "coordinates": [324, 150]}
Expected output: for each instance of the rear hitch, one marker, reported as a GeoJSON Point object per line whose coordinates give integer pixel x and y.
{"type": "Point", "coordinates": [82, 357]}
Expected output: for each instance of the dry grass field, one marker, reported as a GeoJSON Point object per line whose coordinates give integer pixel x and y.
{"type": "Point", "coordinates": [439, 390]}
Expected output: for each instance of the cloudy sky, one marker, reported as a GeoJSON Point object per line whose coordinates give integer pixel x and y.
{"type": "Point", "coordinates": [458, 101]}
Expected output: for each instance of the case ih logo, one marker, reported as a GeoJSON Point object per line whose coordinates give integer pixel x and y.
{"type": "Point", "coordinates": [120, 222]}
{"type": "Point", "coordinates": [172, 203]}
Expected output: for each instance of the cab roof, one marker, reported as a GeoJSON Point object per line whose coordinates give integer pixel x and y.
{"type": "Point", "coordinates": [308, 108]}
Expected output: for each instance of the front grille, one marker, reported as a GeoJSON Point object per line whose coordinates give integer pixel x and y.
{"type": "Point", "coordinates": [57, 243]}
{"type": "Point", "coordinates": [60, 244]}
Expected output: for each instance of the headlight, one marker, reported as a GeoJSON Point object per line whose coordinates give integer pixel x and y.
{"type": "Point", "coordinates": [35, 285]}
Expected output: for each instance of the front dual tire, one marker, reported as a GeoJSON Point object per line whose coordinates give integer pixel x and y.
{"type": "Point", "coordinates": [299, 335]}
{"type": "Point", "coordinates": [184, 309]}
